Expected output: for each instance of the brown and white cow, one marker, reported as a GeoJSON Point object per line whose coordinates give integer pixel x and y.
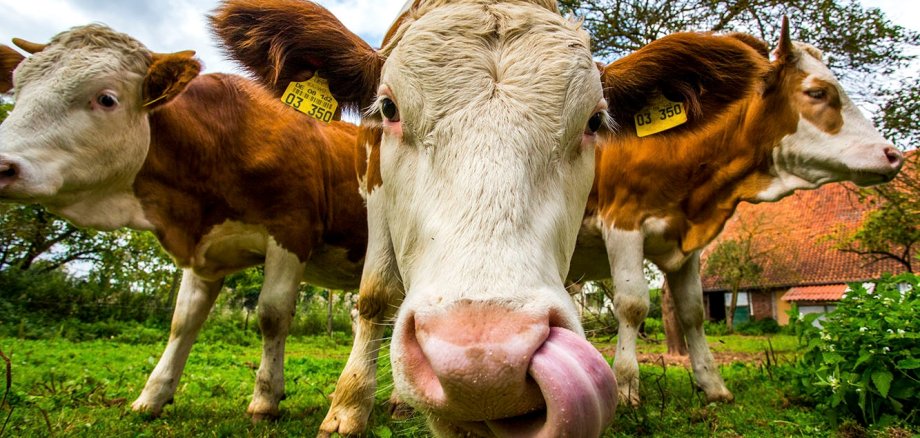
{"type": "Point", "coordinates": [108, 135]}
{"type": "Point", "coordinates": [664, 197]}
{"type": "Point", "coordinates": [479, 149]}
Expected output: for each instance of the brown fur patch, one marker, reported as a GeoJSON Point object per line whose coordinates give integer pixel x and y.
{"type": "Point", "coordinates": [225, 149]}
{"type": "Point", "coordinates": [9, 59]}
{"type": "Point", "coordinates": [826, 113]}
{"type": "Point", "coordinates": [705, 72]}
{"type": "Point", "coordinates": [313, 41]}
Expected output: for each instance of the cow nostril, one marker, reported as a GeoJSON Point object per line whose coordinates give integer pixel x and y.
{"type": "Point", "coordinates": [8, 170]}
{"type": "Point", "coordinates": [895, 158]}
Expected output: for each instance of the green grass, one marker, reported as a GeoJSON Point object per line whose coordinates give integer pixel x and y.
{"type": "Point", "coordinates": [782, 345]}
{"type": "Point", "coordinates": [63, 388]}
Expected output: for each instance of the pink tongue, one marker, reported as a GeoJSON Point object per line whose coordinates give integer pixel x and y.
{"type": "Point", "coordinates": [578, 385]}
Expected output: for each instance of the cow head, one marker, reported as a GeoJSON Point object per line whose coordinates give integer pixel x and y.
{"type": "Point", "coordinates": [827, 137]}
{"type": "Point", "coordinates": [484, 116]}
{"type": "Point", "coordinates": [79, 133]}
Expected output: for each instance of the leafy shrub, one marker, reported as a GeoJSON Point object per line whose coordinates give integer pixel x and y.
{"type": "Point", "coordinates": [758, 327]}
{"type": "Point", "coordinates": [865, 361]}
{"type": "Point", "coordinates": [652, 327]}
{"type": "Point", "coordinates": [715, 328]}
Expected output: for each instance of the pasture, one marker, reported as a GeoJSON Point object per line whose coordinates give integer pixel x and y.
{"type": "Point", "coordinates": [64, 388]}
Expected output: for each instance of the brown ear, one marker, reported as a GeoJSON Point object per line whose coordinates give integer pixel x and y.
{"type": "Point", "coordinates": [167, 76]}
{"type": "Point", "coordinates": [9, 59]}
{"type": "Point", "coordinates": [281, 41]}
{"type": "Point", "coordinates": [706, 72]}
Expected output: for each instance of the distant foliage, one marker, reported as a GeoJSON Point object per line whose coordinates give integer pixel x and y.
{"type": "Point", "coordinates": [865, 360]}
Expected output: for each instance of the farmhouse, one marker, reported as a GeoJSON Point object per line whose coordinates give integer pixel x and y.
{"type": "Point", "coordinates": [801, 264]}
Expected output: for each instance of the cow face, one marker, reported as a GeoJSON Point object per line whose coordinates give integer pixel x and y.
{"type": "Point", "coordinates": [830, 139]}
{"type": "Point", "coordinates": [79, 132]}
{"type": "Point", "coordinates": [480, 139]}
{"type": "Point", "coordinates": [489, 115]}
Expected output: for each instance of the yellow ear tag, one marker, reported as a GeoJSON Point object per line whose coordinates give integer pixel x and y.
{"type": "Point", "coordinates": [312, 98]}
{"type": "Point", "coordinates": [660, 115]}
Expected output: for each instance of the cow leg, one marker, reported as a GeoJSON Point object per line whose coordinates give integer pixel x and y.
{"type": "Point", "coordinates": [379, 297]}
{"type": "Point", "coordinates": [630, 304]}
{"type": "Point", "coordinates": [283, 273]}
{"type": "Point", "coordinates": [193, 304]}
{"type": "Point", "coordinates": [688, 300]}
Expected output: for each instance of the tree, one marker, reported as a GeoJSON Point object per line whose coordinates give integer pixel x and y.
{"type": "Point", "coordinates": [735, 263]}
{"type": "Point", "coordinates": [891, 230]}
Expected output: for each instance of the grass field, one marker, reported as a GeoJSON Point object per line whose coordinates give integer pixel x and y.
{"type": "Point", "coordinates": [62, 388]}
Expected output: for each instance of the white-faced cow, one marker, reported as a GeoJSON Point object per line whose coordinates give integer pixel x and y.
{"type": "Point", "coordinates": [665, 196]}
{"type": "Point", "coordinates": [479, 157]}
{"type": "Point", "coordinates": [107, 135]}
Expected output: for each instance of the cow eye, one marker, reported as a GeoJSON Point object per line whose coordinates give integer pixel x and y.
{"type": "Point", "coordinates": [388, 109]}
{"type": "Point", "coordinates": [594, 123]}
{"type": "Point", "coordinates": [817, 94]}
{"type": "Point", "coordinates": [106, 101]}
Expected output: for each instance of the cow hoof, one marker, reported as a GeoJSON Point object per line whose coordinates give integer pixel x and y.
{"type": "Point", "coordinates": [343, 425]}
{"type": "Point", "coordinates": [629, 397]}
{"type": "Point", "coordinates": [720, 397]}
{"type": "Point", "coordinates": [142, 408]}
{"type": "Point", "coordinates": [263, 417]}
{"type": "Point", "coordinates": [400, 410]}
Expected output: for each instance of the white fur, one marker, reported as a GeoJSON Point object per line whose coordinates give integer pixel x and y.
{"type": "Point", "coordinates": [79, 162]}
{"type": "Point", "coordinates": [486, 177]}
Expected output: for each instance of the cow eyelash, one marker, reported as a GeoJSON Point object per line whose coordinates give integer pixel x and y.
{"type": "Point", "coordinates": [817, 93]}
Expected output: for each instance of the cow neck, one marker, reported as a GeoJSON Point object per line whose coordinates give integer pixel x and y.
{"type": "Point", "coordinates": [225, 150]}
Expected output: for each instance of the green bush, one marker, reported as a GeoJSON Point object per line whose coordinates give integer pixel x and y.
{"type": "Point", "coordinates": [758, 327]}
{"type": "Point", "coordinates": [652, 327]}
{"type": "Point", "coordinates": [864, 359]}
{"type": "Point", "coordinates": [715, 328]}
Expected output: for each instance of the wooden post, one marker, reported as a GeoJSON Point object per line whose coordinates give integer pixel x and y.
{"type": "Point", "coordinates": [673, 334]}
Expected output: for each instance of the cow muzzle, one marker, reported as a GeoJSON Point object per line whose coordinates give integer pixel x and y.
{"type": "Point", "coordinates": [483, 367]}
{"type": "Point", "coordinates": [9, 173]}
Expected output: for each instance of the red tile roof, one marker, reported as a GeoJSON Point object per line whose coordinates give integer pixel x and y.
{"type": "Point", "coordinates": [831, 292]}
{"type": "Point", "coordinates": [795, 232]}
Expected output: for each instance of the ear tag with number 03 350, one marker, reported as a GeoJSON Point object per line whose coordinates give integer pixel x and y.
{"type": "Point", "coordinates": [311, 97]}
{"type": "Point", "coordinates": [660, 115]}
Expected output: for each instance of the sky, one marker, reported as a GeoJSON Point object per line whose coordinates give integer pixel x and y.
{"type": "Point", "coordinates": [174, 25]}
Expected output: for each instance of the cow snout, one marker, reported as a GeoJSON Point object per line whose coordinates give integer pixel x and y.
{"type": "Point", "coordinates": [895, 158]}
{"type": "Point", "coordinates": [488, 369]}
{"type": "Point", "coordinates": [472, 361]}
{"type": "Point", "coordinates": [9, 172]}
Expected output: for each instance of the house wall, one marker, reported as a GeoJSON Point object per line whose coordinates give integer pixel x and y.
{"type": "Point", "coordinates": [761, 304]}
{"type": "Point", "coordinates": [782, 307]}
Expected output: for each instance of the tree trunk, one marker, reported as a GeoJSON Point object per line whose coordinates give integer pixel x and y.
{"type": "Point", "coordinates": [673, 334]}
{"type": "Point", "coordinates": [730, 315]}
{"type": "Point", "coordinates": [329, 312]}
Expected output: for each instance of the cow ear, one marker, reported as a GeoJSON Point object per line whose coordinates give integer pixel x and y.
{"type": "Point", "coordinates": [281, 41]}
{"type": "Point", "coordinates": [705, 72]}
{"type": "Point", "coordinates": [9, 60]}
{"type": "Point", "coordinates": [167, 77]}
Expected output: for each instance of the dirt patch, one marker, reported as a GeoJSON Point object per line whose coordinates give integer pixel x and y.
{"type": "Point", "coordinates": [721, 358]}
